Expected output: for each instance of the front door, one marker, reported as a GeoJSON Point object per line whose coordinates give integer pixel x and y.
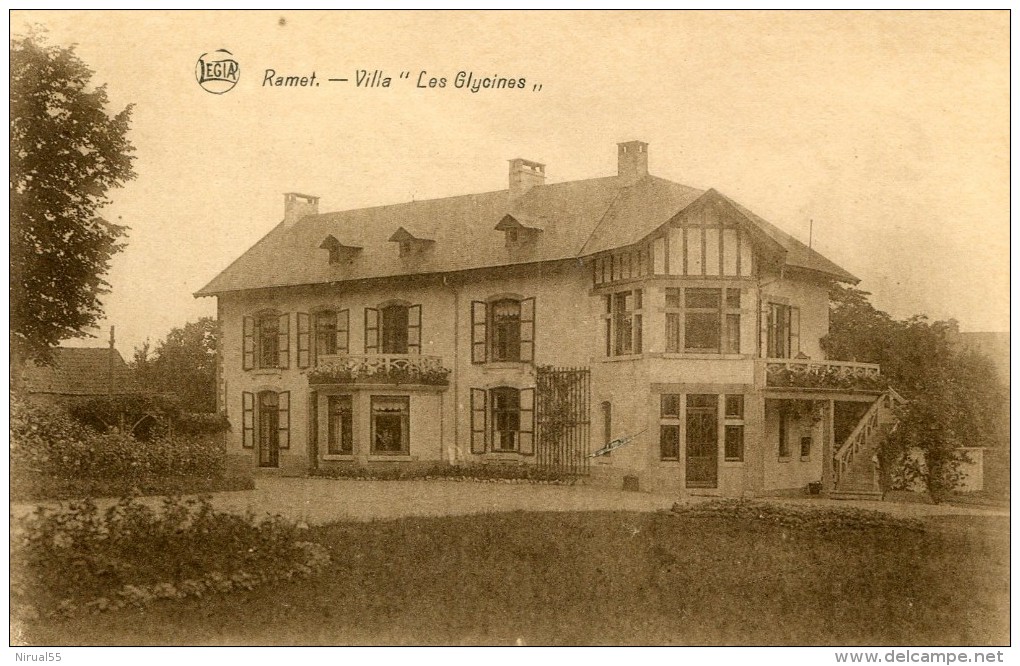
{"type": "Point", "coordinates": [269, 430]}
{"type": "Point", "coordinates": [702, 441]}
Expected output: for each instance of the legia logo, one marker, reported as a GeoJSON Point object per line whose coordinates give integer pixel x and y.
{"type": "Point", "coordinates": [217, 72]}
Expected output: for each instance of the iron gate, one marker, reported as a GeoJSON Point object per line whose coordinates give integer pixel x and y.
{"type": "Point", "coordinates": [562, 412]}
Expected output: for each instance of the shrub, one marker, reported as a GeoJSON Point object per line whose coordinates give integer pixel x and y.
{"type": "Point", "coordinates": [78, 558]}
{"type": "Point", "coordinates": [786, 515]}
{"type": "Point", "coordinates": [522, 473]}
{"type": "Point", "coordinates": [47, 445]}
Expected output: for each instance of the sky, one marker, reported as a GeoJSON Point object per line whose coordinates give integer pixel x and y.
{"type": "Point", "coordinates": [883, 136]}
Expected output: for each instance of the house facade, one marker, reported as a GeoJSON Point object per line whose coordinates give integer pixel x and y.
{"type": "Point", "coordinates": [625, 328]}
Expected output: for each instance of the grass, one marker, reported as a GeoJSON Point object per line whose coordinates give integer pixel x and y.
{"type": "Point", "coordinates": [39, 487]}
{"type": "Point", "coordinates": [600, 578]}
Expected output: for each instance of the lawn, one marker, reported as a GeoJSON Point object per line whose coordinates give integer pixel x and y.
{"type": "Point", "coordinates": [600, 578]}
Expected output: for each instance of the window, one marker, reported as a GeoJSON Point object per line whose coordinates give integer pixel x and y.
{"type": "Point", "coordinates": [503, 330]}
{"type": "Point", "coordinates": [783, 331]}
{"type": "Point", "coordinates": [266, 424]}
{"type": "Point", "coordinates": [325, 333]}
{"type": "Point", "coordinates": [669, 426]}
{"type": "Point", "coordinates": [784, 443]}
{"type": "Point", "coordinates": [506, 330]}
{"type": "Point", "coordinates": [400, 332]}
{"type": "Point", "coordinates": [623, 323]}
{"type": "Point", "coordinates": [711, 320]}
{"type": "Point", "coordinates": [394, 329]}
{"type": "Point", "coordinates": [506, 418]}
{"type": "Point", "coordinates": [340, 437]}
{"type": "Point", "coordinates": [674, 314]}
{"type": "Point", "coordinates": [268, 352]}
{"type": "Point", "coordinates": [503, 420]}
{"type": "Point", "coordinates": [734, 433]}
{"type": "Point", "coordinates": [391, 417]}
{"type": "Point", "coordinates": [266, 341]}
{"type": "Point", "coordinates": [322, 333]}
{"type": "Point", "coordinates": [805, 447]}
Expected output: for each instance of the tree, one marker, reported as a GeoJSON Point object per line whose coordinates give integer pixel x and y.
{"type": "Point", "coordinates": [66, 154]}
{"type": "Point", "coordinates": [951, 395]}
{"type": "Point", "coordinates": [184, 364]}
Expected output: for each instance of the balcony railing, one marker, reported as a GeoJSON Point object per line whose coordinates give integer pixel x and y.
{"type": "Point", "coordinates": [379, 369]}
{"type": "Point", "coordinates": [810, 374]}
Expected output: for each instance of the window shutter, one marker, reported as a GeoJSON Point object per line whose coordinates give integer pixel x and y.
{"type": "Point", "coordinates": [371, 331]}
{"type": "Point", "coordinates": [794, 332]}
{"type": "Point", "coordinates": [283, 342]}
{"type": "Point", "coordinates": [527, 433]}
{"type": "Point", "coordinates": [414, 329]}
{"type": "Point", "coordinates": [478, 332]}
{"type": "Point", "coordinates": [248, 344]}
{"type": "Point", "coordinates": [528, 330]}
{"type": "Point", "coordinates": [304, 340]}
{"type": "Point", "coordinates": [343, 332]}
{"type": "Point", "coordinates": [478, 424]}
{"type": "Point", "coordinates": [283, 418]}
{"type": "Point", "coordinates": [248, 420]}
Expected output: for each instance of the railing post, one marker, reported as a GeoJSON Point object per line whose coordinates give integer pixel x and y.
{"type": "Point", "coordinates": [828, 446]}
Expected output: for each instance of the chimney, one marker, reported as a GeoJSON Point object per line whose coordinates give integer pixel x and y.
{"type": "Point", "coordinates": [525, 175]}
{"type": "Point", "coordinates": [632, 160]}
{"type": "Point", "coordinates": [296, 206]}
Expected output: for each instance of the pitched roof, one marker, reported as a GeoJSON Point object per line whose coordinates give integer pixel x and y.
{"type": "Point", "coordinates": [80, 371]}
{"type": "Point", "coordinates": [577, 218]}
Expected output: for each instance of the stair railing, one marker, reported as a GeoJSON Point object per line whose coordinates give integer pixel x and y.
{"type": "Point", "coordinates": [858, 439]}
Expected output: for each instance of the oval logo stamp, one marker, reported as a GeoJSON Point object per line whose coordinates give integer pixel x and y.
{"type": "Point", "coordinates": [217, 72]}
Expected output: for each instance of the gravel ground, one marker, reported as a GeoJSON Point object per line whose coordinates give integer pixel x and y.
{"type": "Point", "coordinates": [316, 501]}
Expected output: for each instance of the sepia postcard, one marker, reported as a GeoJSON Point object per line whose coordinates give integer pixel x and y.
{"type": "Point", "coordinates": [510, 328]}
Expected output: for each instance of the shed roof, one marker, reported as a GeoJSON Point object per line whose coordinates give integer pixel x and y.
{"type": "Point", "coordinates": [81, 371]}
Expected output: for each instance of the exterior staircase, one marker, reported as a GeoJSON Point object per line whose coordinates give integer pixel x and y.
{"type": "Point", "coordinates": [855, 463]}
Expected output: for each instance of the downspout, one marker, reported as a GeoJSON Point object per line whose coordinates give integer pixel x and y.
{"type": "Point", "coordinates": [454, 371]}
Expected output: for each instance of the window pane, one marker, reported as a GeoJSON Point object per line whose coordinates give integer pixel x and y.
{"type": "Point", "coordinates": [622, 323]}
{"type": "Point", "coordinates": [669, 405]}
{"type": "Point", "coordinates": [735, 442]}
{"type": "Point", "coordinates": [268, 330]}
{"type": "Point", "coordinates": [701, 331]}
{"type": "Point", "coordinates": [506, 418]}
{"type": "Point", "coordinates": [394, 329]}
{"type": "Point", "coordinates": [734, 406]}
{"type": "Point", "coordinates": [340, 437]}
{"type": "Point", "coordinates": [672, 297]}
{"type": "Point", "coordinates": [703, 298]}
{"type": "Point", "coordinates": [702, 401]}
{"type": "Point", "coordinates": [669, 442]}
{"type": "Point", "coordinates": [672, 332]}
{"type": "Point", "coordinates": [506, 330]}
{"type": "Point", "coordinates": [637, 299]}
{"type": "Point", "coordinates": [732, 334]}
{"type": "Point", "coordinates": [805, 447]}
{"type": "Point", "coordinates": [325, 333]}
{"type": "Point", "coordinates": [390, 424]}
{"type": "Point", "coordinates": [733, 298]}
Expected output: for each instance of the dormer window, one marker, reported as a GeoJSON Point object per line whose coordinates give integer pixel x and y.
{"type": "Point", "coordinates": [410, 244]}
{"type": "Point", "coordinates": [338, 252]}
{"type": "Point", "coordinates": [519, 230]}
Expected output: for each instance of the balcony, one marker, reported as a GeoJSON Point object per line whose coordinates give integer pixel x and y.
{"type": "Point", "coordinates": [824, 375]}
{"type": "Point", "coordinates": [396, 369]}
